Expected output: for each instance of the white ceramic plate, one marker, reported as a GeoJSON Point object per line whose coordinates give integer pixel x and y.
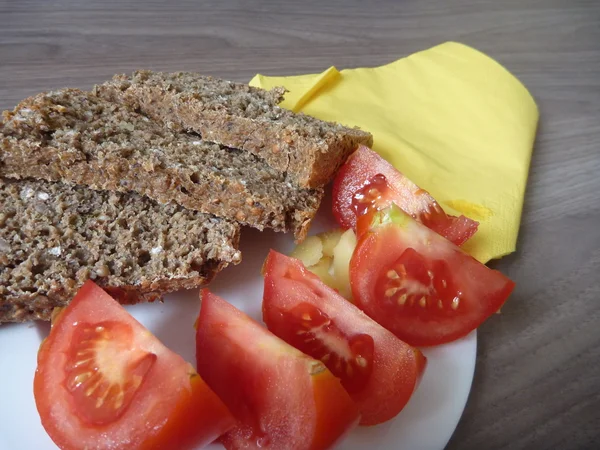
{"type": "Point", "coordinates": [426, 423]}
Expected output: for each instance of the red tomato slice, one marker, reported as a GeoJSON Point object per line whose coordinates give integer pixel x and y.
{"type": "Point", "coordinates": [282, 398]}
{"type": "Point", "coordinates": [103, 381]}
{"type": "Point", "coordinates": [367, 180]}
{"type": "Point", "coordinates": [419, 285]}
{"type": "Point", "coordinates": [378, 370]}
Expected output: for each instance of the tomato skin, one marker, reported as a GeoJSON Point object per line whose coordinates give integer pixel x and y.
{"type": "Point", "coordinates": [173, 408]}
{"type": "Point", "coordinates": [282, 398]}
{"type": "Point", "coordinates": [396, 366]}
{"type": "Point", "coordinates": [436, 318]}
{"type": "Point", "coordinates": [200, 406]}
{"type": "Point", "coordinates": [363, 166]}
{"type": "Point", "coordinates": [457, 230]}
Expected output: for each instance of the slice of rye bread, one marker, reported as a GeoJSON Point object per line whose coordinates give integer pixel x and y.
{"type": "Point", "coordinates": [240, 116]}
{"type": "Point", "coordinates": [74, 136]}
{"type": "Point", "coordinates": [54, 236]}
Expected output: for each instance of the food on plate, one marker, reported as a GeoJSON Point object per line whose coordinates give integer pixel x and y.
{"type": "Point", "coordinates": [368, 181]}
{"type": "Point", "coordinates": [54, 236]}
{"type": "Point", "coordinates": [73, 136]}
{"type": "Point", "coordinates": [160, 170]}
{"type": "Point", "coordinates": [310, 251]}
{"type": "Point", "coordinates": [282, 398]}
{"type": "Point", "coordinates": [418, 285]}
{"type": "Point", "coordinates": [237, 115]}
{"type": "Point", "coordinates": [104, 381]}
{"type": "Point", "coordinates": [327, 255]}
{"type": "Point", "coordinates": [342, 253]}
{"type": "Point", "coordinates": [378, 370]}
{"type": "Point", "coordinates": [329, 240]}
{"type": "Point", "coordinates": [323, 269]}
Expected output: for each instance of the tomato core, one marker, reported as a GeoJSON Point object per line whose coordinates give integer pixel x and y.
{"type": "Point", "coordinates": [103, 372]}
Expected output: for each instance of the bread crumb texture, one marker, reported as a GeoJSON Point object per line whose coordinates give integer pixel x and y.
{"type": "Point", "coordinates": [75, 136]}
{"type": "Point", "coordinates": [54, 236]}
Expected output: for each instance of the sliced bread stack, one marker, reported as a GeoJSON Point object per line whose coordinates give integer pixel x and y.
{"type": "Point", "coordinates": [143, 184]}
{"type": "Point", "coordinates": [240, 116]}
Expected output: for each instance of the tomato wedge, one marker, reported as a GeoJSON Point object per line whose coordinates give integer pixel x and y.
{"type": "Point", "coordinates": [103, 381]}
{"type": "Point", "coordinates": [282, 398]}
{"type": "Point", "coordinates": [420, 286]}
{"type": "Point", "coordinates": [367, 181]}
{"type": "Point", "coordinates": [378, 370]}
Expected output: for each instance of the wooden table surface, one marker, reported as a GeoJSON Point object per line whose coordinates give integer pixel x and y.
{"type": "Point", "coordinates": [537, 381]}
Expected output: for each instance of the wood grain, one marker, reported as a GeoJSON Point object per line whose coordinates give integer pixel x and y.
{"type": "Point", "coordinates": [537, 382]}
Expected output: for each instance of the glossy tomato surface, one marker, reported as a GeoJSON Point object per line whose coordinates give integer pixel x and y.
{"type": "Point", "coordinates": [420, 286]}
{"type": "Point", "coordinates": [378, 370]}
{"type": "Point", "coordinates": [104, 381]}
{"type": "Point", "coordinates": [367, 181]}
{"type": "Point", "coordinates": [282, 398]}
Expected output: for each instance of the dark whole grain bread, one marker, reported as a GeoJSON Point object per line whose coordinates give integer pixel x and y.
{"type": "Point", "coordinates": [74, 136]}
{"type": "Point", "coordinates": [53, 237]}
{"type": "Point", "coordinates": [240, 116]}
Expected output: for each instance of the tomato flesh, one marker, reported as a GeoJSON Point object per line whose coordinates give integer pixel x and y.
{"type": "Point", "coordinates": [367, 181]}
{"type": "Point", "coordinates": [378, 370]}
{"type": "Point", "coordinates": [349, 358]}
{"type": "Point", "coordinates": [282, 398]}
{"type": "Point", "coordinates": [103, 381]}
{"type": "Point", "coordinates": [105, 373]}
{"type": "Point", "coordinates": [419, 285]}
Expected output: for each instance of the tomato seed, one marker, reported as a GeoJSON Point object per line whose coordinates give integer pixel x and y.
{"type": "Point", "coordinates": [100, 400]}
{"type": "Point", "coordinates": [362, 362]}
{"type": "Point", "coordinates": [89, 391]}
{"type": "Point", "coordinates": [80, 362]}
{"type": "Point", "coordinates": [80, 378]}
{"type": "Point", "coordinates": [391, 291]}
{"type": "Point", "coordinates": [392, 275]}
{"type": "Point", "coordinates": [119, 399]}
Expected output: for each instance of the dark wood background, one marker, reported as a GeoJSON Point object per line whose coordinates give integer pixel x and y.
{"type": "Point", "coordinates": [537, 381]}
